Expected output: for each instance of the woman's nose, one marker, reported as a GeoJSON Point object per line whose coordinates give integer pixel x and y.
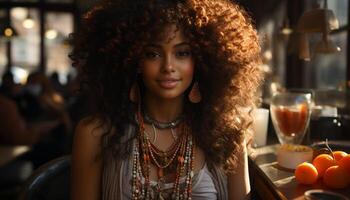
{"type": "Point", "coordinates": [168, 64]}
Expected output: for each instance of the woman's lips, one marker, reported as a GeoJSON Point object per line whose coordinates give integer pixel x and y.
{"type": "Point", "coordinates": [168, 84]}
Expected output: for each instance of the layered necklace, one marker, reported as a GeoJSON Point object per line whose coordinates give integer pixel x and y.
{"type": "Point", "coordinates": [179, 158]}
{"type": "Point", "coordinates": [163, 125]}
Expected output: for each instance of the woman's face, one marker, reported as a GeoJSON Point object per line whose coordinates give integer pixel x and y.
{"type": "Point", "coordinates": [167, 65]}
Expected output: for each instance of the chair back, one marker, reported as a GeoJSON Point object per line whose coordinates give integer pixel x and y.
{"type": "Point", "coordinates": [50, 181]}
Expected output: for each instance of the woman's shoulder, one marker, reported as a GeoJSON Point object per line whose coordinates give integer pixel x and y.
{"type": "Point", "coordinates": [89, 132]}
{"type": "Point", "coordinates": [86, 159]}
{"type": "Point", "coordinates": [91, 126]}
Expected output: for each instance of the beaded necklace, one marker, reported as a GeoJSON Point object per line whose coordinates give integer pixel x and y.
{"type": "Point", "coordinates": [180, 155]}
{"type": "Point", "coordinates": [163, 125]}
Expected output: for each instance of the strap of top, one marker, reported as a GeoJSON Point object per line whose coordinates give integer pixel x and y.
{"type": "Point", "coordinates": [112, 172]}
{"type": "Point", "coordinates": [220, 181]}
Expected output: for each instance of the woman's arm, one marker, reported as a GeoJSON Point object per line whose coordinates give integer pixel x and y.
{"type": "Point", "coordinates": [238, 183]}
{"type": "Point", "coordinates": [86, 161]}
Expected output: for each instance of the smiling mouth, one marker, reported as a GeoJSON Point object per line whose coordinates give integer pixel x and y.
{"type": "Point", "coordinates": [168, 84]}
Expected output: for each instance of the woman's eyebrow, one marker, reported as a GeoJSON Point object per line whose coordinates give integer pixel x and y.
{"type": "Point", "coordinates": [182, 44]}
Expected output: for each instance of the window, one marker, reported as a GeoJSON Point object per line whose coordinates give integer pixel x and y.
{"type": "Point", "coordinates": [58, 27]}
{"type": "Point", "coordinates": [40, 43]}
{"type": "Point", "coordinates": [328, 71]}
{"type": "Point", "coordinates": [26, 46]}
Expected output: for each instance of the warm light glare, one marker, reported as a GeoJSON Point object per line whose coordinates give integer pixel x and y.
{"type": "Point", "coordinates": [268, 54]}
{"type": "Point", "coordinates": [286, 31]}
{"type": "Point", "coordinates": [20, 74]}
{"type": "Point", "coordinates": [266, 68]}
{"type": "Point", "coordinates": [51, 34]}
{"type": "Point", "coordinates": [28, 23]}
{"type": "Point", "coordinates": [57, 98]}
{"type": "Point", "coordinates": [274, 88]}
{"type": "Point", "coordinates": [8, 32]}
{"type": "Point", "coordinates": [19, 13]}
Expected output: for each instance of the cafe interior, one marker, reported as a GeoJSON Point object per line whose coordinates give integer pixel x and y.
{"type": "Point", "coordinates": [305, 57]}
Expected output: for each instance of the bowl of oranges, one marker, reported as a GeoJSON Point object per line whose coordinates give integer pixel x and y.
{"type": "Point", "coordinates": [331, 167]}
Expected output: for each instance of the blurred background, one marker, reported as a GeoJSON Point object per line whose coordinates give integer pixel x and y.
{"type": "Point", "coordinates": [305, 46]}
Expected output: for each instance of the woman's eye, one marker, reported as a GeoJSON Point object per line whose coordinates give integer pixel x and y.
{"type": "Point", "coordinates": [152, 55]}
{"type": "Point", "coordinates": [183, 53]}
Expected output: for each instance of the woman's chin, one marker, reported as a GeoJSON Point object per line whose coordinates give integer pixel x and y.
{"type": "Point", "coordinates": [169, 95]}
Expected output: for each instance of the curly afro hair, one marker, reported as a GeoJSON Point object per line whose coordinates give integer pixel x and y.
{"type": "Point", "coordinates": [226, 51]}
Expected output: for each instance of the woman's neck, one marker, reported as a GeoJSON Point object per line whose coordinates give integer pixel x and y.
{"type": "Point", "coordinates": [163, 110]}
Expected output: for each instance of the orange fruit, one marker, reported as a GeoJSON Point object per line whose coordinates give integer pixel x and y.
{"type": "Point", "coordinates": [306, 173]}
{"type": "Point", "coordinates": [338, 155]}
{"type": "Point", "coordinates": [322, 162]}
{"type": "Point", "coordinates": [345, 163]}
{"type": "Point", "coordinates": [336, 177]}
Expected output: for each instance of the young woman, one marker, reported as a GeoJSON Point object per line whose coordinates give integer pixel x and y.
{"type": "Point", "coordinates": [170, 79]}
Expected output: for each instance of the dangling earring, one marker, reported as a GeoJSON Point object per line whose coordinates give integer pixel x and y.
{"type": "Point", "coordinates": [195, 95]}
{"type": "Point", "coordinates": [134, 94]}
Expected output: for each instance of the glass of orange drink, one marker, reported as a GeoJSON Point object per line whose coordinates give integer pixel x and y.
{"type": "Point", "coordinates": [290, 113]}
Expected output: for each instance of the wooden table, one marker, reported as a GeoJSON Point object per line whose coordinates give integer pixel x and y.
{"type": "Point", "coordinates": [270, 181]}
